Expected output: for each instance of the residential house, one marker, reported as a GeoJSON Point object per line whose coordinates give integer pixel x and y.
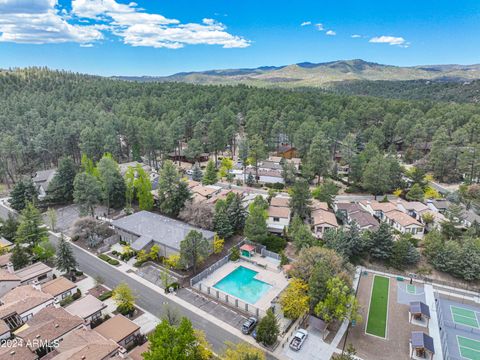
{"type": "Point", "coordinates": [123, 168]}
{"type": "Point", "coordinates": [35, 273]}
{"type": "Point", "coordinates": [121, 330]}
{"type": "Point", "coordinates": [22, 303]}
{"type": "Point", "coordinates": [404, 223]}
{"type": "Point", "coordinates": [17, 352]}
{"type": "Point", "coordinates": [278, 219]}
{"type": "Point", "coordinates": [136, 354]}
{"type": "Point", "coordinates": [286, 151]}
{"type": "Point", "coordinates": [265, 176]}
{"type": "Point", "coordinates": [280, 201]}
{"type": "Point", "coordinates": [59, 288]}
{"type": "Point", "coordinates": [378, 209]}
{"type": "Point", "coordinates": [44, 331]}
{"type": "Point", "coordinates": [413, 208]}
{"type": "Point", "coordinates": [82, 344]}
{"type": "Point", "coordinates": [222, 195]}
{"type": "Point", "coordinates": [89, 308]}
{"type": "Point", "coordinates": [322, 221]}
{"type": "Point", "coordinates": [144, 229]}
{"type": "Point", "coordinates": [41, 180]}
{"type": "Point", "coordinates": [204, 192]}
{"type": "Point", "coordinates": [343, 209]}
{"type": "Point", "coordinates": [364, 220]}
{"type": "Point", "coordinates": [440, 205]}
{"type": "Point", "coordinates": [318, 205]}
{"type": "Point", "coordinates": [8, 281]}
{"type": "Point", "coordinates": [469, 217]}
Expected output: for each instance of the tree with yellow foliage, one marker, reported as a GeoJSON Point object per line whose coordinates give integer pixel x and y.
{"type": "Point", "coordinates": [295, 299]}
{"type": "Point", "coordinates": [218, 244]}
{"type": "Point", "coordinates": [242, 351]}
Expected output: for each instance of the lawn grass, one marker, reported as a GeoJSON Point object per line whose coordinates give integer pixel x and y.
{"type": "Point", "coordinates": [377, 313]}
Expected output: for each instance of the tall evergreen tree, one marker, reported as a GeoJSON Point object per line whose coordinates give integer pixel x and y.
{"type": "Point", "coordinates": [23, 193]}
{"type": "Point", "coordinates": [65, 259]}
{"type": "Point", "coordinates": [382, 242]}
{"type": "Point", "coordinates": [210, 176]}
{"type": "Point", "coordinates": [301, 200]}
{"type": "Point", "coordinates": [236, 212]}
{"type": "Point", "coordinates": [197, 174]}
{"type": "Point", "coordinates": [268, 329]}
{"type": "Point", "coordinates": [256, 225]}
{"type": "Point", "coordinates": [87, 193]}
{"type": "Point", "coordinates": [194, 249]}
{"type": "Point", "coordinates": [112, 182]}
{"type": "Point", "coordinates": [60, 189]}
{"type": "Point", "coordinates": [143, 189]}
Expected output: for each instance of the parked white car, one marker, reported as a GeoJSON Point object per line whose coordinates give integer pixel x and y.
{"type": "Point", "coordinates": [298, 340]}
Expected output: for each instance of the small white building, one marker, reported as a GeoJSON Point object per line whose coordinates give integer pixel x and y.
{"type": "Point", "coordinates": [89, 308]}
{"type": "Point", "coordinates": [278, 219]}
{"type": "Point", "coordinates": [41, 181]}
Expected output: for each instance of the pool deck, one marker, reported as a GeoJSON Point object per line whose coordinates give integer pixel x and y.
{"type": "Point", "coordinates": [272, 276]}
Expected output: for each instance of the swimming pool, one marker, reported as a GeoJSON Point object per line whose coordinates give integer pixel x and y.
{"type": "Point", "coordinates": [242, 284]}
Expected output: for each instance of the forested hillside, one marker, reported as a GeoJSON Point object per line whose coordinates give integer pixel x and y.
{"type": "Point", "coordinates": [412, 90]}
{"type": "Point", "coordinates": [47, 114]}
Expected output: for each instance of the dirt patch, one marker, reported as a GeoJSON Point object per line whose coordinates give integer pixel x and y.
{"type": "Point", "coordinates": [98, 290]}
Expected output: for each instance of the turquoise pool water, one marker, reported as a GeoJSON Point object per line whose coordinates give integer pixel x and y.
{"type": "Point", "coordinates": [242, 284]}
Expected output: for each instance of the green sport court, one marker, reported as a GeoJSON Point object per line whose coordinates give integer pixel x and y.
{"type": "Point", "coordinates": [469, 348]}
{"type": "Point", "coordinates": [377, 312]}
{"type": "Point", "coordinates": [411, 289]}
{"type": "Point", "coordinates": [464, 316]}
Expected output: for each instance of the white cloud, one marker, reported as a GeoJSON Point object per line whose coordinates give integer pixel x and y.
{"type": "Point", "coordinates": [356, 36]}
{"type": "Point", "coordinates": [306, 23]}
{"type": "Point", "coordinates": [331, 33]}
{"type": "Point", "coordinates": [139, 28]}
{"type": "Point", "coordinates": [44, 21]}
{"type": "Point", "coordinates": [40, 22]}
{"type": "Point", "coordinates": [391, 40]}
{"type": "Point", "coordinates": [319, 27]}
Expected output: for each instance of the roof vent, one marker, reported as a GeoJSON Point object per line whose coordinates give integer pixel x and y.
{"type": "Point", "coordinates": [12, 352]}
{"type": "Point", "coordinates": [56, 326]}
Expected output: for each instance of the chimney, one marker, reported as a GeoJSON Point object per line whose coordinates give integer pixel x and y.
{"type": "Point", "coordinates": [10, 268]}
{"type": "Point", "coordinates": [36, 285]}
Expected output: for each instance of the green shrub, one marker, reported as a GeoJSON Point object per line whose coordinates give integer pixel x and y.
{"type": "Point", "coordinates": [77, 295]}
{"type": "Point", "coordinates": [126, 311]}
{"type": "Point", "coordinates": [109, 260]}
{"type": "Point", "coordinates": [274, 243]}
{"type": "Point", "coordinates": [106, 295]}
{"type": "Point", "coordinates": [78, 273]}
{"type": "Point", "coordinates": [174, 285]}
{"type": "Point", "coordinates": [67, 300]}
{"type": "Point", "coordinates": [235, 254]}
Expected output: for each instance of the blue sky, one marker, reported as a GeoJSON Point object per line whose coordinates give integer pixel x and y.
{"type": "Point", "coordinates": [161, 37]}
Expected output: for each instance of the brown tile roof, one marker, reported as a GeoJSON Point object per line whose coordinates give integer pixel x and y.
{"type": "Point", "coordinates": [380, 206]}
{"type": "Point", "coordinates": [192, 183]}
{"type": "Point", "coordinates": [58, 286]}
{"type": "Point", "coordinates": [5, 259]}
{"type": "Point", "coordinates": [348, 207]}
{"type": "Point", "coordinates": [8, 276]}
{"type": "Point", "coordinates": [136, 354]}
{"type": "Point", "coordinates": [280, 201]}
{"type": "Point", "coordinates": [414, 205]}
{"type": "Point", "coordinates": [402, 218]}
{"type": "Point", "coordinates": [204, 190]}
{"type": "Point", "coordinates": [319, 205]}
{"type": "Point", "coordinates": [86, 306]}
{"type": "Point", "coordinates": [21, 299]}
{"type": "Point", "coordinates": [85, 344]}
{"type": "Point", "coordinates": [33, 271]}
{"type": "Point", "coordinates": [324, 217]}
{"type": "Point", "coordinates": [280, 212]}
{"type": "Point", "coordinates": [117, 328]}
{"type": "Point", "coordinates": [19, 352]}
{"type": "Point", "coordinates": [364, 219]}
{"type": "Point", "coordinates": [48, 324]}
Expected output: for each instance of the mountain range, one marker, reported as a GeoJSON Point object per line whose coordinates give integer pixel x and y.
{"type": "Point", "coordinates": [326, 74]}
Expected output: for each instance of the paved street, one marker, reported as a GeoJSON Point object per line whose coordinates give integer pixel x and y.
{"type": "Point", "coordinates": [147, 298]}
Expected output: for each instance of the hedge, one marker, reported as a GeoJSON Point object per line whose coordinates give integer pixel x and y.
{"type": "Point", "coordinates": [106, 295]}
{"type": "Point", "coordinates": [109, 260]}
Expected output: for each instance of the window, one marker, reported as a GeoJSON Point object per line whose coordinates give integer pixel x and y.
{"type": "Point", "coordinates": [65, 294]}
{"type": "Point", "coordinates": [129, 339]}
{"type": "Point", "coordinates": [276, 219]}
{"type": "Point", "coordinates": [97, 315]}
{"type": "Point", "coordinates": [42, 277]}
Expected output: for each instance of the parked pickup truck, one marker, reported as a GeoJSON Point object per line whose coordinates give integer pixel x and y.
{"type": "Point", "coordinates": [298, 339]}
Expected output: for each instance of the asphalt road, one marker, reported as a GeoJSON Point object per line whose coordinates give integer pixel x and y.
{"type": "Point", "coordinates": [147, 298]}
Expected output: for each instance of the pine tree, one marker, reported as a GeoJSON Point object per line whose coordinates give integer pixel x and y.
{"type": "Point", "coordinates": [30, 231]}
{"type": "Point", "coordinates": [197, 173]}
{"type": "Point", "coordinates": [301, 199]}
{"type": "Point", "coordinates": [65, 259]}
{"type": "Point", "coordinates": [221, 221]}
{"type": "Point", "coordinates": [143, 189]}
{"type": "Point", "coordinates": [113, 185]}
{"type": "Point", "coordinates": [267, 329]}
{"type": "Point", "coordinates": [19, 258]}
{"type": "Point", "coordinates": [237, 213]}
{"type": "Point", "coordinates": [87, 193]}
{"type": "Point", "coordinates": [415, 193]}
{"type": "Point", "coordinates": [250, 180]}
{"type": "Point", "coordinates": [382, 242]}
{"type": "Point", "coordinates": [255, 225]}
{"type": "Point", "coordinates": [23, 193]}
{"type": "Point", "coordinates": [210, 176]}
{"type": "Point", "coordinates": [60, 189]}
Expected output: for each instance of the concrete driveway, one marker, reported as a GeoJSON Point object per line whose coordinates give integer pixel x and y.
{"type": "Point", "coordinates": [314, 348]}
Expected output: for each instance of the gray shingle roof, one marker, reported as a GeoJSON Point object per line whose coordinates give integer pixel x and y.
{"type": "Point", "coordinates": [160, 228]}
{"type": "Point", "coordinates": [421, 340]}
